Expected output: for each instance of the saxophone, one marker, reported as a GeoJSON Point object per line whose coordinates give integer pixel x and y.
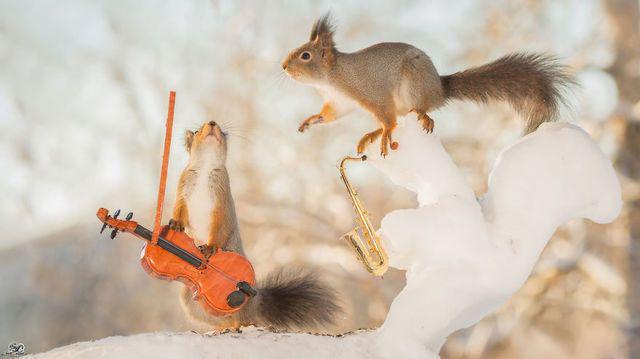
{"type": "Point", "coordinates": [368, 250]}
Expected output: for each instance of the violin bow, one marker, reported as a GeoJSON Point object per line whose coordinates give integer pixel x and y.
{"type": "Point", "coordinates": [165, 165]}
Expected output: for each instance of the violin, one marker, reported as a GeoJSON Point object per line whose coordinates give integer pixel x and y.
{"type": "Point", "coordinates": [223, 283]}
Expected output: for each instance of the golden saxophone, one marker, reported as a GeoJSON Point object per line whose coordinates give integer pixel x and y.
{"type": "Point", "coordinates": [369, 251]}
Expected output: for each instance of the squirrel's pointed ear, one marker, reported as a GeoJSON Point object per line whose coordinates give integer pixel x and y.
{"type": "Point", "coordinates": [326, 40]}
{"type": "Point", "coordinates": [322, 31]}
{"type": "Point", "coordinates": [188, 139]}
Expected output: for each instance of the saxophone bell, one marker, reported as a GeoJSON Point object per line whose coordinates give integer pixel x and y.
{"type": "Point", "coordinates": [363, 238]}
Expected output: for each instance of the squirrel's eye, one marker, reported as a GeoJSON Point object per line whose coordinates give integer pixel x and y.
{"type": "Point", "coordinates": [305, 56]}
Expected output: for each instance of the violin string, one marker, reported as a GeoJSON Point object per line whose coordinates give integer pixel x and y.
{"type": "Point", "coordinates": [221, 272]}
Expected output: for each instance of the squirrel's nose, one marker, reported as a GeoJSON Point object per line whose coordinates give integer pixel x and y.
{"type": "Point", "coordinates": [212, 123]}
{"type": "Point", "coordinates": [284, 66]}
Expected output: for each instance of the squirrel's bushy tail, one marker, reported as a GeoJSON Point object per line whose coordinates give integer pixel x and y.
{"type": "Point", "coordinates": [532, 83]}
{"type": "Point", "coordinates": [290, 299]}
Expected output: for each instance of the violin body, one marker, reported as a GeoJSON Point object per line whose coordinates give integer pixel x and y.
{"type": "Point", "coordinates": [222, 284]}
{"type": "Point", "coordinates": [207, 282]}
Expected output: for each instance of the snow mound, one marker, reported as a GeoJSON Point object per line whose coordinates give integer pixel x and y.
{"type": "Point", "coordinates": [464, 258]}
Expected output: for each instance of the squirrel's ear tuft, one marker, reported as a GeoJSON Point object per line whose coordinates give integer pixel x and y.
{"type": "Point", "coordinates": [188, 139]}
{"type": "Point", "coordinates": [323, 30]}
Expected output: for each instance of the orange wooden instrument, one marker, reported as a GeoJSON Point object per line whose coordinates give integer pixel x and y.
{"type": "Point", "coordinates": [223, 284]}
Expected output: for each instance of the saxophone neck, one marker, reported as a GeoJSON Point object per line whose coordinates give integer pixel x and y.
{"type": "Point", "coordinates": [350, 158]}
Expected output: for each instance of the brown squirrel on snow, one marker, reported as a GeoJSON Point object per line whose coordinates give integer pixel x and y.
{"type": "Point", "coordinates": [205, 210]}
{"type": "Point", "coordinates": [393, 79]}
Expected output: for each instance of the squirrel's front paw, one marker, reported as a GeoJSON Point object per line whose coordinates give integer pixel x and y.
{"type": "Point", "coordinates": [207, 250]}
{"type": "Point", "coordinates": [176, 225]}
{"type": "Point", "coordinates": [367, 139]}
{"type": "Point", "coordinates": [384, 151]}
{"type": "Point", "coordinates": [310, 121]}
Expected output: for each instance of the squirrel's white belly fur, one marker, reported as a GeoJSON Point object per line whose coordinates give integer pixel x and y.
{"type": "Point", "coordinates": [342, 103]}
{"type": "Point", "coordinates": [200, 204]}
{"type": "Point", "coordinates": [403, 97]}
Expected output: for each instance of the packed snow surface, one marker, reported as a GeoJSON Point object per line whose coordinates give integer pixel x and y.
{"type": "Point", "coordinates": [464, 257]}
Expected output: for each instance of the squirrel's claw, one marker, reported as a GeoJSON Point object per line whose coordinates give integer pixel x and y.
{"type": "Point", "coordinates": [362, 145]}
{"type": "Point", "coordinates": [207, 250]}
{"type": "Point", "coordinates": [384, 148]}
{"type": "Point", "coordinates": [176, 225]}
{"type": "Point", "coordinates": [367, 139]}
{"type": "Point", "coordinates": [387, 142]}
{"type": "Point", "coordinates": [427, 122]}
{"type": "Point", "coordinates": [310, 121]}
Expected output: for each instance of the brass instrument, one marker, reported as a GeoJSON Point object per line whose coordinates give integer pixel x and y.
{"type": "Point", "coordinates": [369, 251]}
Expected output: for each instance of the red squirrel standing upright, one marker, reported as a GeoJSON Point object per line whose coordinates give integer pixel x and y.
{"type": "Point", "coordinates": [205, 210]}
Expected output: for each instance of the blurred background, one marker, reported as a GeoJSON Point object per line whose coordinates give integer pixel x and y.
{"type": "Point", "coordinates": [83, 98]}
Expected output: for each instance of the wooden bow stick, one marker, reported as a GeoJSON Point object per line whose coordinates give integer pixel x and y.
{"type": "Point", "coordinates": [165, 166]}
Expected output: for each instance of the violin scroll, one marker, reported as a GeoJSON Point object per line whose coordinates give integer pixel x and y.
{"type": "Point", "coordinates": [112, 221]}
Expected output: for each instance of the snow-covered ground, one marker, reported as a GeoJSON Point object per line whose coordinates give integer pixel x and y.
{"type": "Point", "coordinates": [463, 257]}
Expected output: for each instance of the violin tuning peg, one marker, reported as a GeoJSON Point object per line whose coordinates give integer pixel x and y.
{"type": "Point", "coordinates": [113, 233]}
{"type": "Point", "coordinates": [116, 214]}
{"type": "Point", "coordinates": [129, 216]}
{"type": "Point", "coordinates": [103, 227]}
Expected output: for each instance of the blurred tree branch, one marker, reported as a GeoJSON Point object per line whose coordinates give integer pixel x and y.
{"type": "Point", "coordinates": [625, 17]}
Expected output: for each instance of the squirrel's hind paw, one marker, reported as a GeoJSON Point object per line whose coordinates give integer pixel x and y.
{"type": "Point", "coordinates": [427, 122]}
